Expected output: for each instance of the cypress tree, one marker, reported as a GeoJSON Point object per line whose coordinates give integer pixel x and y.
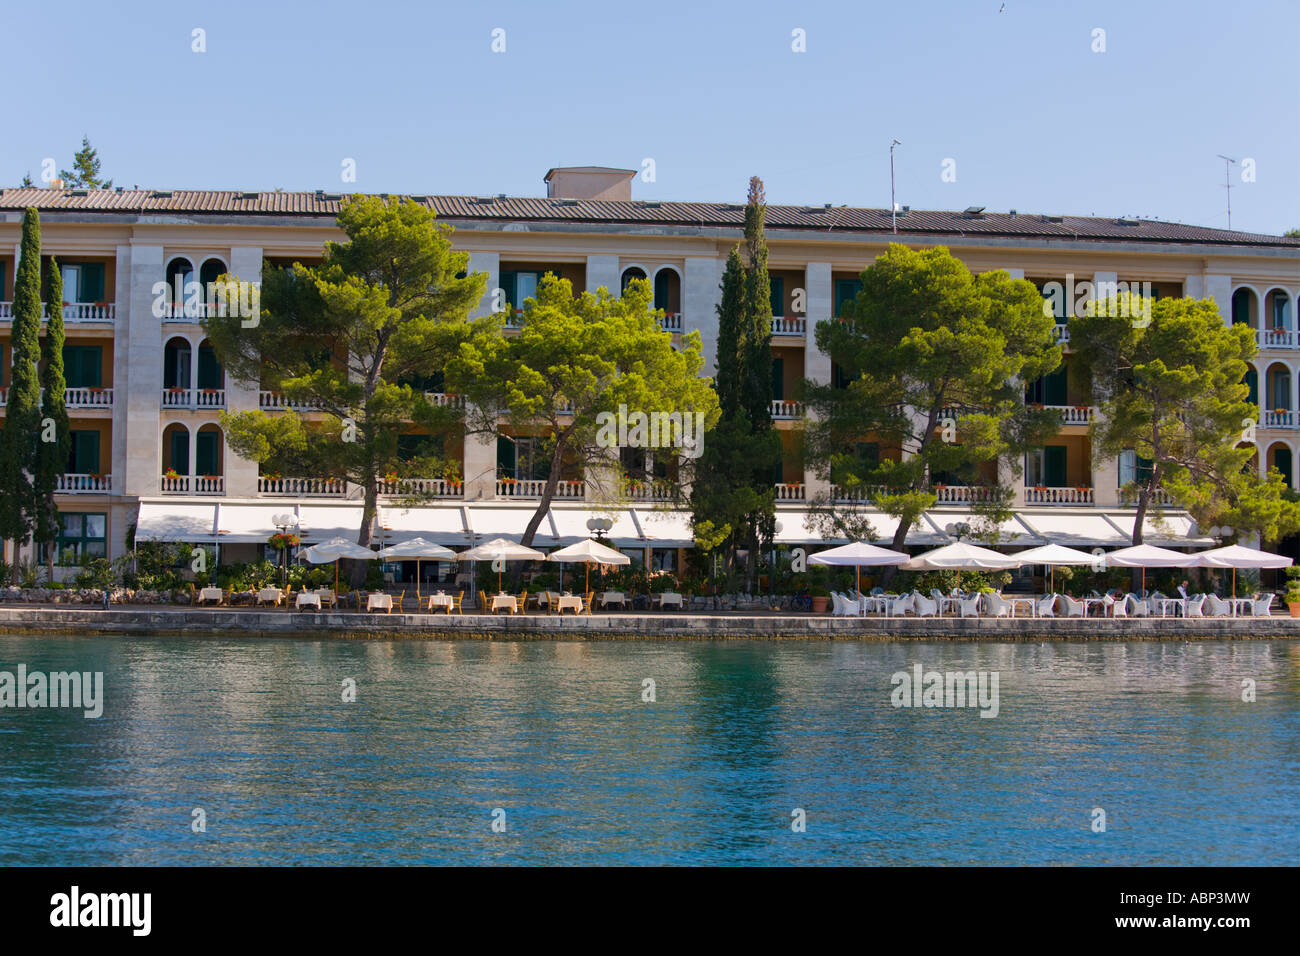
{"type": "Point", "coordinates": [730, 316]}
{"type": "Point", "coordinates": [22, 411]}
{"type": "Point", "coordinates": [756, 325]}
{"type": "Point", "coordinates": [51, 455]}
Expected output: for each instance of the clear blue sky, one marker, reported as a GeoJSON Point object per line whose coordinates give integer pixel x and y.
{"type": "Point", "coordinates": [1034, 119]}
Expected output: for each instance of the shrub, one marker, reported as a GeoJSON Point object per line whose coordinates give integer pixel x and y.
{"type": "Point", "coordinates": [95, 573]}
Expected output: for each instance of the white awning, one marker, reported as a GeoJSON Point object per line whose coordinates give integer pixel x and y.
{"type": "Point", "coordinates": [1076, 529]}
{"type": "Point", "coordinates": [250, 523]}
{"type": "Point", "coordinates": [317, 523]}
{"type": "Point", "coordinates": [1172, 529]}
{"type": "Point", "coordinates": [176, 521]}
{"type": "Point", "coordinates": [443, 525]}
{"type": "Point", "coordinates": [570, 526]}
{"type": "Point", "coordinates": [664, 529]}
{"type": "Point", "coordinates": [1011, 533]}
{"type": "Point", "coordinates": [504, 521]}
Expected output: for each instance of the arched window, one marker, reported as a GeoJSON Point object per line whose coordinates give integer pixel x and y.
{"type": "Point", "coordinates": [210, 271]}
{"type": "Point", "coordinates": [1251, 381]}
{"type": "Point", "coordinates": [176, 449]}
{"type": "Point", "coordinates": [628, 275]}
{"type": "Point", "coordinates": [668, 291]}
{"type": "Point", "coordinates": [176, 363]}
{"type": "Point", "coordinates": [207, 451]}
{"type": "Point", "coordinates": [1280, 392]}
{"type": "Point", "coordinates": [1280, 311]}
{"type": "Point", "coordinates": [1243, 307]}
{"type": "Point", "coordinates": [211, 374]}
{"type": "Point", "coordinates": [179, 273]}
{"type": "Point", "coordinates": [1281, 460]}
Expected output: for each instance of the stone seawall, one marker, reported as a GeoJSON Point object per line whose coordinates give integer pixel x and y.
{"type": "Point", "coordinates": [209, 623]}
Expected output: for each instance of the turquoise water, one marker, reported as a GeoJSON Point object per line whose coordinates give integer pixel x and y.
{"type": "Point", "coordinates": [740, 735]}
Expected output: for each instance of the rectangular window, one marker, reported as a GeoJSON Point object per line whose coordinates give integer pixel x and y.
{"type": "Point", "coordinates": [846, 290]}
{"type": "Point", "coordinates": [83, 282]}
{"type": "Point", "coordinates": [209, 368]}
{"type": "Point", "coordinates": [777, 296]}
{"type": "Point", "coordinates": [1050, 389]}
{"type": "Point", "coordinates": [778, 379]}
{"type": "Point", "coordinates": [81, 535]}
{"type": "Point", "coordinates": [84, 456]}
{"type": "Point", "coordinates": [525, 287]}
{"type": "Point", "coordinates": [207, 454]}
{"type": "Point", "coordinates": [1046, 467]}
{"type": "Point", "coordinates": [83, 365]}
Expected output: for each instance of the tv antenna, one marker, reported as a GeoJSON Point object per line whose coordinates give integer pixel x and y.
{"type": "Point", "coordinates": [1228, 163]}
{"type": "Point", "coordinates": [893, 206]}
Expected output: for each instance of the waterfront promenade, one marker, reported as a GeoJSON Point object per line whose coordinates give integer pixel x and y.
{"type": "Point", "coordinates": [201, 623]}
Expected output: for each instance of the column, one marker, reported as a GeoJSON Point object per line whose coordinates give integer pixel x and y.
{"type": "Point", "coordinates": [602, 271]}
{"type": "Point", "coordinates": [1105, 481]}
{"type": "Point", "coordinates": [700, 297]}
{"type": "Point", "coordinates": [140, 338]}
{"type": "Point", "coordinates": [480, 463]}
{"type": "Point", "coordinates": [240, 473]}
{"type": "Point", "coordinates": [489, 262]}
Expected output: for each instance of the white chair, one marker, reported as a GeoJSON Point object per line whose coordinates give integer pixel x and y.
{"type": "Point", "coordinates": [1136, 607]}
{"type": "Point", "coordinates": [899, 606]}
{"type": "Point", "coordinates": [1193, 606]}
{"type": "Point", "coordinates": [923, 606]}
{"type": "Point", "coordinates": [835, 604]}
{"type": "Point", "coordinates": [970, 607]}
{"type": "Point", "coordinates": [1116, 608]}
{"type": "Point", "coordinates": [1215, 607]}
{"type": "Point", "coordinates": [1070, 606]}
{"type": "Point", "coordinates": [998, 605]}
{"type": "Point", "coordinates": [1047, 606]}
{"type": "Point", "coordinates": [844, 606]}
{"type": "Point", "coordinates": [1263, 607]}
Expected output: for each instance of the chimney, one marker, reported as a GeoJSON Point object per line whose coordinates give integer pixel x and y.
{"type": "Point", "coordinates": [56, 184]}
{"type": "Point", "coordinates": [590, 182]}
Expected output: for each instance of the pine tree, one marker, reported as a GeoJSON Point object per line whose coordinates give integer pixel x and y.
{"type": "Point", "coordinates": [51, 456]}
{"type": "Point", "coordinates": [27, 180]}
{"type": "Point", "coordinates": [85, 169]}
{"type": "Point", "coordinates": [22, 412]}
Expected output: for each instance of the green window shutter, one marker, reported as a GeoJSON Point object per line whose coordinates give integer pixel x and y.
{"type": "Point", "coordinates": [83, 365]}
{"type": "Point", "coordinates": [507, 286]}
{"type": "Point", "coordinates": [1054, 387]}
{"type": "Point", "coordinates": [1282, 462]}
{"type": "Point", "coordinates": [180, 452]}
{"type": "Point", "coordinates": [778, 296]}
{"type": "Point", "coordinates": [1142, 468]}
{"type": "Point", "coordinates": [1251, 381]}
{"type": "Point", "coordinates": [2, 283]}
{"type": "Point", "coordinates": [92, 282]}
{"type": "Point", "coordinates": [1034, 392]}
{"type": "Point", "coordinates": [846, 290]}
{"type": "Point", "coordinates": [505, 456]}
{"type": "Point", "coordinates": [778, 379]}
{"type": "Point", "coordinates": [207, 454]}
{"type": "Point", "coordinates": [84, 459]}
{"type": "Point", "coordinates": [1054, 457]}
{"type": "Point", "coordinates": [209, 370]}
{"type": "Point", "coordinates": [661, 289]}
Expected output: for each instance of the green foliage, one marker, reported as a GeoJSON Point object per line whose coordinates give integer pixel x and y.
{"type": "Point", "coordinates": [22, 412]}
{"type": "Point", "coordinates": [563, 377]}
{"type": "Point", "coordinates": [51, 457]}
{"type": "Point", "coordinates": [248, 576]}
{"type": "Point", "coordinates": [85, 169]}
{"type": "Point", "coordinates": [1171, 389]}
{"type": "Point", "coordinates": [923, 336]}
{"type": "Point", "coordinates": [96, 573]}
{"type": "Point", "coordinates": [160, 565]}
{"type": "Point", "coordinates": [386, 308]}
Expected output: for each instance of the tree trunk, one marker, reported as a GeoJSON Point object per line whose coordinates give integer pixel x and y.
{"type": "Point", "coordinates": [900, 540]}
{"type": "Point", "coordinates": [548, 494]}
{"type": "Point", "coordinates": [369, 529]}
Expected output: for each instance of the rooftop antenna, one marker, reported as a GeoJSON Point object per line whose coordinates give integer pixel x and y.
{"type": "Point", "coordinates": [893, 206]}
{"type": "Point", "coordinates": [1228, 163]}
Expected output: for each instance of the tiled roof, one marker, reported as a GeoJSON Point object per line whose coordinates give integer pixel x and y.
{"type": "Point", "coordinates": [838, 219]}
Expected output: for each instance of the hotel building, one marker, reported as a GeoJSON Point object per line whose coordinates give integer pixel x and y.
{"type": "Point", "coordinates": [145, 392]}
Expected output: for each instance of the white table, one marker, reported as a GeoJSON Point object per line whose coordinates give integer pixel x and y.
{"type": "Point", "coordinates": [379, 601]}
{"type": "Point", "coordinates": [670, 597]}
{"type": "Point", "coordinates": [211, 594]}
{"type": "Point", "coordinates": [507, 601]}
{"type": "Point", "coordinates": [1237, 602]}
{"type": "Point", "coordinates": [440, 600]}
{"type": "Point", "coordinates": [1179, 604]}
{"type": "Point", "coordinates": [1020, 602]}
{"type": "Point", "coordinates": [879, 603]}
{"type": "Point", "coordinates": [270, 596]}
{"type": "Point", "coordinates": [569, 601]}
{"type": "Point", "coordinates": [950, 603]}
{"type": "Point", "coordinates": [1089, 603]}
{"type": "Point", "coordinates": [307, 599]}
{"type": "Point", "coordinates": [613, 597]}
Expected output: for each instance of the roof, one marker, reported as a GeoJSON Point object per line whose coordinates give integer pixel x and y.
{"type": "Point", "coordinates": [831, 219]}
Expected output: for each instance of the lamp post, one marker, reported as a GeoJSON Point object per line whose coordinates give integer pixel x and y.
{"type": "Point", "coordinates": [776, 529]}
{"type": "Point", "coordinates": [284, 522]}
{"type": "Point", "coordinates": [599, 527]}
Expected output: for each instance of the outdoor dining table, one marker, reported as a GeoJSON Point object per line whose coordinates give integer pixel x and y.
{"type": "Point", "coordinates": [1089, 603]}
{"type": "Point", "coordinates": [571, 601]}
{"type": "Point", "coordinates": [508, 601]}
{"type": "Point", "coordinates": [440, 600]}
{"type": "Point", "coordinates": [211, 594]}
{"type": "Point", "coordinates": [613, 597]}
{"type": "Point", "coordinates": [950, 603]}
{"type": "Point", "coordinates": [669, 597]}
{"type": "Point", "coordinates": [269, 596]}
{"type": "Point", "coordinates": [1023, 602]}
{"type": "Point", "coordinates": [879, 603]}
{"type": "Point", "coordinates": [1163, 603]}
{"type": "Point", "coordinates": [307, 599]}
{"type": "Point", "coordinates": [1237, 602]}
{"type": "Point", "coordinates": [379, 599]}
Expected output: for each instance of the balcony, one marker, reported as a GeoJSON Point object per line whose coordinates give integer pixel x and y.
{"type": "Point", "coordinates": [1280, 418]}
{"type": "Point", "coordinates": [68, 484]}
{"type": "Point", "coordinates": [1276, 339]}
{"type": "Point", "coordinates": [641, 490]}
{"type": "Point", "coordinates": [193, 485]}
{"type": "Point", "coordinates": [73, 312]}
{"type": "Point", "coordinates": [856, 496]}
{"type": "Point", "coordinates": [445, 399]}
{"type": "Point", "coordinates": [796, 491]}
{"type": "Point", "coordinates": [1062, 334]}
{"type": "Point", "coordinates": [533, 488]}
{"type": "Point", "coordinates": [786, 411]}
{"type": "Point", "coordinates": [671, 322]}
{"type": "Point", "coordinates": [1041, 495]}
{"type": "Point", "coordinates": [192, 313]}
{"type": "Point", "coordinates": [961, 494]}
{"type": "Point", "coordinates": [1072, 414]}
{"type": "Point", "coordinates": [423, 487]}
{"type": "Point", "coordinates": [1159, 497]}
{"type": "Point", "coordinates": [275, 487]}
{"type": "Point", "coordinates": [88, 398]}
{"type": "Point", "coordinates": [794, 325]}
{"type": "Point", "coordinates": [275, 401]}
{"type": "Point", "coordinates": [194, 398]}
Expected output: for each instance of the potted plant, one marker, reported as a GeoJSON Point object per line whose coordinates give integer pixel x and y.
{"type": "Point", "coordinates": [818, 587]}
{"type": "Point", "coordinates": [1292, 596]}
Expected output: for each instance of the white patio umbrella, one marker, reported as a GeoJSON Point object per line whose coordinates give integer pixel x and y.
{"type": "Point", "coordinates": [858, 554]}
{"type": "Point", "coordinates": [1236, 556]}
{"type": "Point", "coordinates": [1149, 556]}
{"type": "Point", "coordinates": [421, 550]}
{"type": "Point", "coordinates": [587, 552]}
{"type": "Point", "coordinates": [333, 550]}
{"type": "Point", "coordinates": [1053, 555]}
{"type": "Point", "coordinates": [960, 556]}
{"type": "Point", "coordinates": [500, 549]}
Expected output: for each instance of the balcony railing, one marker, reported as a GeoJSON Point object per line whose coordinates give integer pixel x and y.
{"type": "Point", "coordinates": [785, 411]}
{"type": "Point", "coordinates": [1072, 414]}
{"type": "Point", "coordinates": [423, 487]}
{"type": "Point", "coordinates": [792, 325]}
{"type": "Point", "coordinates": [533, 488]}
{"type": "Point", "coordinates": [445, 399]}
{"type": "Point", "coordinates": [1280, 418]}
{"type": "Point", "coordinates": [72, 311]}
{"type": "Point", "coordinates": [194, 398]}
{"type": "Point", "coordinates": [184, 312]}
{"type": "Point", "coordinates": [194, 484]}
{"type": "Point", "coordinates": [1159, 497]}
{"type": "Point", "coordinates": [1276, 339]}
{"type": "Point", "coordinates": [272, 401]}
{"type": "Point", "coordinates": [642, 490]}
{"type": "Point", "coordinates": [791, 492]}
{"type": "Point", "coordinates": [88, 398]}
{"type": "Point", "coordinates": [855, 496]}
{"type": "Point", "coordinates": [961, 494]}
{"type": "Point", "coordinates": [301, 487]}
{"type": "Point", "coordinates": [1062, 334]}
{"type": "Point", "coordinates": [1041, 495]}
{"type": "Point", "coordinates": [70, 484]}
{"type": "Point", "coordinates": [671, 322]}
